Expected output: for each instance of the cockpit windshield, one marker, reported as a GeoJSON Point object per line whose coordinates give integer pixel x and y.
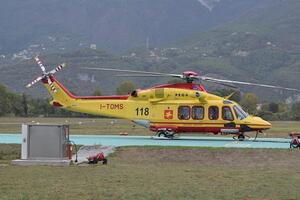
{"type": "Point", "coordinates": [239, 112]}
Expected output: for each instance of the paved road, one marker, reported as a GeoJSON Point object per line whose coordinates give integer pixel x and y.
{"type": "Point", "coordinates": [113, 140]}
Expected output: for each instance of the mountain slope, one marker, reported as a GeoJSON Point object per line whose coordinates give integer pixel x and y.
{"type": "Point", "coordinates": [265, 45]}
{"type": "Point", "coordinates": [112, 25]}
{"type": "Point", "coordinates": [262, 46]}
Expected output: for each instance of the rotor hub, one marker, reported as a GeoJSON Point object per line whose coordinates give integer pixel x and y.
{"type": "Point", "coordinates": [190, 76]}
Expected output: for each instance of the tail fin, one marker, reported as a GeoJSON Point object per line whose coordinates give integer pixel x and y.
{"type": "Point", "coordinates": [61, 97]}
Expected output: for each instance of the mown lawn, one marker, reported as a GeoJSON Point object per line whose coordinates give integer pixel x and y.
{"type": "Point", "coordinates": [117, 126]}
{"type": "Point", "coordinates": [77, 125]}
{"type": "Point", "coordinates": [153, 172]}
{"type": "Point", "coordinates": [159, 173]}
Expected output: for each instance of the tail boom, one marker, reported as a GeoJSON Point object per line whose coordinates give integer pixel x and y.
{"type": "Point", "coordinates": [112, 106]}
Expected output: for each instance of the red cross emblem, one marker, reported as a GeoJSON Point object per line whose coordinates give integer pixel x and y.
{"type": "Point", "coordinates": [168, 114]}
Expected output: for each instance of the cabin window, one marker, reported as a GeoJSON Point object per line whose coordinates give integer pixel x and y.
{"type": "Point", "coordinates": [213, 113]}
{"type": "Point", "coordinates": [239, 112]}
{"type": "Point", "coordinates": [184, 112]}
{"type": "Point", "coordinates": [197, 112]}
{"type": "Point", "coordinates": [227, 114]}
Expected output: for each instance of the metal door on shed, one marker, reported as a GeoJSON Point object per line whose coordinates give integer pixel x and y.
{"type": "Point", "coordinates": [45, 142]}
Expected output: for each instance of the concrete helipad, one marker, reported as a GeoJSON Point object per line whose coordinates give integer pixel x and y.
{"type": "Point", "coordinates": [185, 141]}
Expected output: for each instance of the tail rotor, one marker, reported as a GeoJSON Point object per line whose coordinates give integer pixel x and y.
{"type": "Point", "coordinates": [46, 75]}
{"type": "Point", "coordinates": [39, 62]}
{"type": "Point", "coordinates": [58, 68]}
{"type": "Point", "coordinates": [51, 85]}
{"type": "Point", "coordinates": [34, 82]}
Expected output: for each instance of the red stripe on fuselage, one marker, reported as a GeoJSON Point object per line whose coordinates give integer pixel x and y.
{"type": "Point", "coordinates": [214, 130]}
{"type": "Point", "coordinates": [184, 123]}
{"type": "Point", "coordinates": [182, 129]}
{"type": "Point", "coordinates": [202, 123]}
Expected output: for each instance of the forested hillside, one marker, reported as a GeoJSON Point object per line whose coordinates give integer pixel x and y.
{"type": "Point", "coordinates": [114, 25]}
{"type": "Point", "coordinates": [262, 46]}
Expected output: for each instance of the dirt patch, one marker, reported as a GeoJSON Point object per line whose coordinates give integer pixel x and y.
{"type": "Point", "coordinates": [211, 157]}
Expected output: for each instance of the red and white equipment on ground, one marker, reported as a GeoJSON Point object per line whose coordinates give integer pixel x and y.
{"type": "Point", "coordinates": [94, 159]}
{"type": "Point", "coordinates": [295, 141]}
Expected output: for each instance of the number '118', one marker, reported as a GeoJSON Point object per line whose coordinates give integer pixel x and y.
{"type": "Point", "coordinates": [142, 111]}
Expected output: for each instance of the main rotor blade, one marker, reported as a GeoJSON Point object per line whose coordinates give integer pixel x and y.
{"type": "Point", "coordinates": [205, 78]}
{"type": "Point", "coordinates": [224, 84]}
{"type": "Point", "coordinates": [132, 71]}
{"type": "Point", "coordinates": [34, 82]}
{"type": "Point", "coordinates": [39, 62]}
{"type": "Point", "coordinates": [143, 75]}
{"type": "Point", "coordinates": [58, 68]}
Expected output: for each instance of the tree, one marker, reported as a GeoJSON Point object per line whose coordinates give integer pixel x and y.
{"type": "Point", "coordinates": [125, 87]}
{"type": "Point", "coordinates": [274, 107]}
{"type": "Point", "coordinates": [5, 105]}
{"type": "Point", "coordinates": [283, 107]}
{"type": "Point", "coordinates": [97, 92]}
{"type": "Point", "coordinates": [295, 111]}
{"type": "Point", "coordinates": [25, 104]}
{"type": "Point", "coordinates": [249, 102]}
{"type": "Point", "coordinates": [16, 104]}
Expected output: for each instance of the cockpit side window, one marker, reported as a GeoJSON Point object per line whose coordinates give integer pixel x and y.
{"type": "Point", "coordinates": [239, 112]}
{"type": "Point", "coordinates": [226, 113]}
{"type": "Point", "coordinates": [213, 113]}
{"type": "Point", "coordinates": [184, 112]}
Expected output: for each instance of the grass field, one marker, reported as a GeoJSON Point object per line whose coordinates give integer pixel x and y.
{"type": "Point", "coordinates": [153, 172]}
{"type": "Point", "coordinates": [116, 126]}
{"type": "Point", "coordinates": [77, 125]}
{"type": "Point", "coordinates": [159, 173]}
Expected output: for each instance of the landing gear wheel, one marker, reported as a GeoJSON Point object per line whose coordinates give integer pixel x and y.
{"type": "Point", "coordinates": [170, 135]}
{"type": "Point", "coordinates": [294, 145]}
{"type": "Point", "coordinates": [241, 137]}
{"type": "Point", "coordinates": [165, 134]}
{"type": "Point", "coordinates": [161, 134]}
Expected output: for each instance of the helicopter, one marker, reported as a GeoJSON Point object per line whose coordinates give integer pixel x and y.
{"type": "Point", "coordinates": [168, 109]}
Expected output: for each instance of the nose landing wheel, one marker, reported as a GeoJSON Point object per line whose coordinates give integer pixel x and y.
{"type": "Point", "coordinates": [240, 137]}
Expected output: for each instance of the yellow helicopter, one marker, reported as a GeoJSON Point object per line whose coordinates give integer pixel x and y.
{"type": "Point", "coordinates": [165, 109]}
